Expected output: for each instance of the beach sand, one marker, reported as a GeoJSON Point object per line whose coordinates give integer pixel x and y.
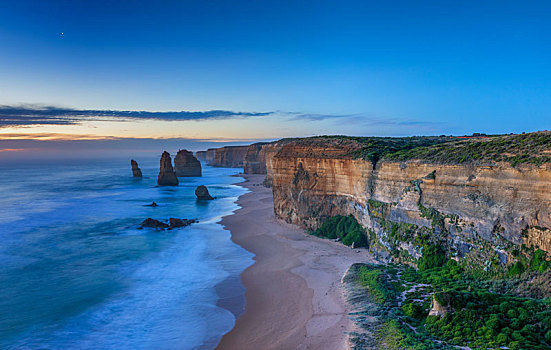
{"type": "Point", "coordinates": [294, 297]}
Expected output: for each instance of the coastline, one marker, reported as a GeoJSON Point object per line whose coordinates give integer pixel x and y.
{"type": "Point", "coordinates": [293, 298]}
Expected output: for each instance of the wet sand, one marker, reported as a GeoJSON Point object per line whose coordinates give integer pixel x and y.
{"type": "Point", "coordinates": [294, 296]}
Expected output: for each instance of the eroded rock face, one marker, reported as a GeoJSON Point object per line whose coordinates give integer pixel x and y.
{"type": "Point", "coordinates": [167, 176]}
{"type": "Point", "coordinates": [255, 159]}
{"type": "Point", "coordinates": [201, 156]}
{"type": "Point", "coordinates": [185, 164]}
{"type": "Point", "coordinates": [136, 171]}
{"type": "Point", "coordinates": [229, 156]}
{"type": "Point", "coordinates": [202, 193]}
{"type": "Point", "coordinates": [464, 205]}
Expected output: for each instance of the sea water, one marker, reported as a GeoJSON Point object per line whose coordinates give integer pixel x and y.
{"type": "Point", "coordinates": [76, 272]}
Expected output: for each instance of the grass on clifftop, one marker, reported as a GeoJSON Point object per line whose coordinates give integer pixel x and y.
{"type": "Point", "coordinates": [533, 148]}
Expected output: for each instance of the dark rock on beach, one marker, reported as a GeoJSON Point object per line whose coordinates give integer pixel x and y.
{"type": "Point", "coordinates": [136, 171]}
{"type": "Point", "coordinates": [167, 176]}
{"type": "Point", "coordinates": [203, 193]}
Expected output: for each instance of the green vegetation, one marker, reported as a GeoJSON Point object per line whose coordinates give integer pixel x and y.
{"type": "Point", "coordinates": [345, 228]}
{"type": "Point", "coordinates": [477, 317]}
{"type": "Point", "coordinates": [534, 148]}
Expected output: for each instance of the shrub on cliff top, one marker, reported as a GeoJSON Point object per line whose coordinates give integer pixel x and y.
{"type": "Point", "coordinates": [345, 228]}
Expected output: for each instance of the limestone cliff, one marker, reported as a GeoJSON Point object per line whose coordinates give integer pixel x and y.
{"type": "Point", "coordinates": [478, 209]}
{"type": "Point", "coordinates": [185, 164]}
{"type": "Point", "coordinates": [209, 156]}
{"type": "Point", "coordinates": [167, 176]}
{"type": "Point", "coordinates": [201, 156]}
{"type": "Point", "coordinates": [255, 159]}
{"type": "Point", "coordinates": [229, 156]}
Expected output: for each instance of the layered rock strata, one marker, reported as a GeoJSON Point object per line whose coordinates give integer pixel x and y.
{"type": "Point", "coordinates": [477, 211]}
{"type": "Point", "coordinates": [185, 164]}
{"type": "Point", "coordinates": [229, 156]}
{"type": "Point", "coordinates": [167, 176]}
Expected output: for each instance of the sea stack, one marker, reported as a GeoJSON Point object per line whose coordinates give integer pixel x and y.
{"type": "Point", "coordinates": [185, 164]}
{"type": "Point", "coordinates": [136, 171]}
{"type": "Point", "coordinates": [167, 176]}
{"type": "Point", "coordinates": [203, 193]}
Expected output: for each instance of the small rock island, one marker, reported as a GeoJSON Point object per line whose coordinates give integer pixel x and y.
{"type": "Point", "coordinates": [136, 171]}
{"type": "Point", "coordinates": [202, 193]}
{"type": "Point", "coordinates": [186, 165]}
{"type": "Point", "coordinates": [167, 176]}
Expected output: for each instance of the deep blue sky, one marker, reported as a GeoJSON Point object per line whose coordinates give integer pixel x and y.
{"type": "Point", "coordinates": [459, 66]}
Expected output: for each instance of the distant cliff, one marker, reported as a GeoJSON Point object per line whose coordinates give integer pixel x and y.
{"type": "Point", "coordinates": [479, 198]}
{"type": "Point", "coordinates": [228, 157]}
{"type": "Point", "coordinates": [201, 156]}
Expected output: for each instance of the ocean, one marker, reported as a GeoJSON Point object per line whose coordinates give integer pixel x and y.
{"type": "Point", "coordinates": [77, 273]}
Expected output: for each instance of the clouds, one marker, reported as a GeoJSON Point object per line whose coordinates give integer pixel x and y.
{"type": "Point", "coordinates": [30, 115]}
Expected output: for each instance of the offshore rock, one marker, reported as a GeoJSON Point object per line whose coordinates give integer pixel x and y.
{"type": "Point", "coordinates": [172, 223]}
{"type": "Point", "coordinates": [167, 176]}
{"type": "Point", "coordinates": [175, 223]}
{"type": "Point", "coordinates": [203, 193]}
{"type": "Point", "coordinates": [152, 223]}
{"type": "Point", "coordinates": [185, 164]}
{"type": "Point", "coordinates": [136, 171]}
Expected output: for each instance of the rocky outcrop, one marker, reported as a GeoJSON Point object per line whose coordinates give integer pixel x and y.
{"type": "Point", "coordinates": [476, 210]}
{"type": "Point", "coordinates": [136, 171]}
{"type": "Point", "coordinates": [167, 176]}
{"type": "Point", "coordinates": [440, 305]}
{"type": "Point", "coordinates": [186, 165]}
{"type": "Point", "coordinates": [229, 156]}
{"type": "Point", "coordinates": [172, 223]}
{"type": "Point", "coordinates": [202, 193]}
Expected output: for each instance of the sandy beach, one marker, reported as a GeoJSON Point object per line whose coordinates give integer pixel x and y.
{"type": "Point", "coordinates": [294, 298]}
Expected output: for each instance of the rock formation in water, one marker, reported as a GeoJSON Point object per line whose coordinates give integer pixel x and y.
{"type": "Point", "coordinates": [480, 199]}
{"type": "Point", "coordinates": [172, 223]}
{"type": "Point", "coordinates": [167, 176]}
{"type": "Point", "coordinates": [203, 193]}
{"type": "Point", "coordinates": [185, 164]}
{"type": "Point", "coordinates": [136, 171]}
{"type": "Point", "coordinates": [152, 223]}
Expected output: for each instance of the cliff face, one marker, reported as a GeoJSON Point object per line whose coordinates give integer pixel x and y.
{"type": "Point", "coordinates": [201, 156]}
{"type": "Point", "coordinates": [229, 156]}
{"type": "Point", "coordinates": [167, 176]}
{"type": "Point", "coordinates": [255, 159]}
{"type": "Point", "coordinates": [185, 164]}
{"type": "Point", "coordinates": [475, 211]}
{"type": "Point", "coordinates": [209, 156]}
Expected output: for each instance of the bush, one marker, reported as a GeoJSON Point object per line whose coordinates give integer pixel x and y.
{"type": "Point", "coordinates": [345, 228]}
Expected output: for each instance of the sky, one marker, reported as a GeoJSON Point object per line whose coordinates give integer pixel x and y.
{"type": "Point", "coordinates": [233, 72]}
